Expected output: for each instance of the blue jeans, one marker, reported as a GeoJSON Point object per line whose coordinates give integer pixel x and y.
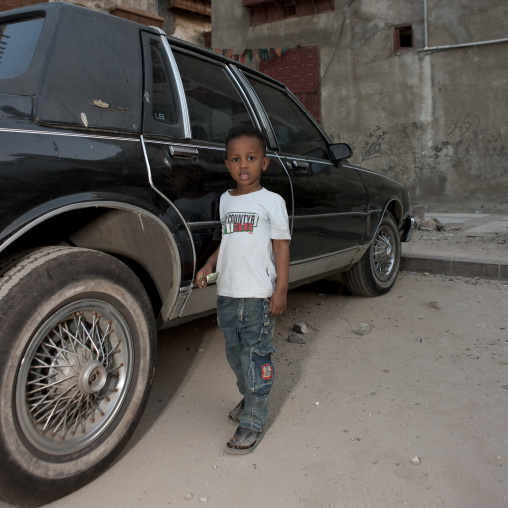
{"type": "Point", "coordinates": [248, 331]}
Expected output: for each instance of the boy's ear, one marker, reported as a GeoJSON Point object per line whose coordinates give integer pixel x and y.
{"type": "Point", "coordinates": [266, 161]}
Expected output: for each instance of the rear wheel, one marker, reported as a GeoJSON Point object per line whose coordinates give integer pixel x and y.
{"type": "Point", "coordinates": [77, 354]}
{"type": "Point", "coordinates": [376, 273]}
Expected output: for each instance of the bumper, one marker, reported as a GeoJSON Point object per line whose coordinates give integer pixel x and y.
{"type": "Point", "coordinates": [408, 229]}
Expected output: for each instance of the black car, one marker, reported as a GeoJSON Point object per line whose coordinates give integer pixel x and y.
{"type": "Point", "coordinates": [111, 168]}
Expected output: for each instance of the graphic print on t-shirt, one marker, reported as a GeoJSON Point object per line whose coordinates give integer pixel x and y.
{"type": "Point", "coordinates": [237, 222]}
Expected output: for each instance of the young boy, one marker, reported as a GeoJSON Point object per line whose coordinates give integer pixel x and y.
{"type": "Point", "coordinates": [253, 266]}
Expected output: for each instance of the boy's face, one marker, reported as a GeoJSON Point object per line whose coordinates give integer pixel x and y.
{"type": "Point", "coordinates": [246, 161]}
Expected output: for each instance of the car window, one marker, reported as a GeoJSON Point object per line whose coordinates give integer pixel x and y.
{"type": "Point", "coordinates": [18, 41]}
{"type": "Point", "coordinates": [213, 102]}
{"type": "Point", "coordinates": [295, 132]}
{"type": "Point", "coordinates": [164, 110]}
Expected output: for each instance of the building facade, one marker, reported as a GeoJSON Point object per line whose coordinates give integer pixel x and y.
{"type": "Point", "coordinates": [417, 88]}
{"type": "Point", "coordinates": [186, 19]}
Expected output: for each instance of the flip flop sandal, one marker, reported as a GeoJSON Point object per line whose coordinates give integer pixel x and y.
{"type": "Point", "coordinates": [234, 415]}
{"type": "Point", "coordinates": [244, 441]}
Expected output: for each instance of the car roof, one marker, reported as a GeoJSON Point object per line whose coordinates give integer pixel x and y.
{"type": "Point", "coordinates": [70, 75]}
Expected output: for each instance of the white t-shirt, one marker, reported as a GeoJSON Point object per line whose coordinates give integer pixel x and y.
{"type": "Point", "coordinates": [246, 264]}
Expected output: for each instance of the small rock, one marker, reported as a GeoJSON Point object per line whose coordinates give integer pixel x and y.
{"type": "Point", "coordinates": [416, 461]}
{"type": "Point", "coordinates": [300, 328]}
{"type": "Point", "coordinates": [203, 499]}
{"type": "Point", "coordinates": [188, 497]}
{"type": "Point", "coordinates": [431, 225]}
{"type": "Point", "coordinates": [296, 339]}
{"type": "Point", "coordinates": [363, 329]}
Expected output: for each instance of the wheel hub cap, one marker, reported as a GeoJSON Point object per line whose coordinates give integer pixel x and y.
{"type": "Point", "coordinates": [92, 377]}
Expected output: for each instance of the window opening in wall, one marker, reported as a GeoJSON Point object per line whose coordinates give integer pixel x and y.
{"type": "Point", "coordinates": [288, 9]}
{"type": "Point", "coordinates": [268, 11]}
{"type": "Point", "coordinates": [403, 38]}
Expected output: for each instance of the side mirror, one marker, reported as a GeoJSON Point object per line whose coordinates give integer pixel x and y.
{"type": "Point", "coordinates": [340, 151]}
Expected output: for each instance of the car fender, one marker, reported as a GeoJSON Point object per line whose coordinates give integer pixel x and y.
{"type": "Point", "coordinates": [115, 227]}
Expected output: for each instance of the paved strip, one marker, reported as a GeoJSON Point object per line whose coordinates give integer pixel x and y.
{"type": "Point", "coordinates": [454, 267]}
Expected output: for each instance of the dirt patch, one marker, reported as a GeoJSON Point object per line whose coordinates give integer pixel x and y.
{"type": "Point", "coordinates": [412, 413]}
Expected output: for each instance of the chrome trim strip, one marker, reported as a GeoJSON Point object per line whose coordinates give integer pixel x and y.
{"type": "Point", "coordinates": [320, 265]}
{"type": "Point", "coordinates": [201, 300]}
{"type": "Point", "coordinates": [337, 214]}
{"type": "Point", "coordinates": [203, 224]}
{"type": "Point", "coordinates": [152, 185]}
{"type": "Point", "coordinates": [242, 93]}
{"type": "Point", "coordinates": [69, 134]}
{"type": "Point", "coordinates": [289, 159]}
{"type": "Point", "coordinates": [179, 84]}
{"type": "Point", "coordinates": [359, 168]}
{"type": "Point", "coordinates": [220, 146]}
{"type": "Point", "coordinates": [258, 106]}
{"type": "Point", "coordinates": [362, 249]}
{"type": "Point", "coordinates": [179, 306]}
{"type": "Point", "coordinates": [323, 256]}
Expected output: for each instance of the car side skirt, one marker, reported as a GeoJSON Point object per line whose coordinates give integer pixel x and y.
{"type": "Point", "coordinates": [202, 301]}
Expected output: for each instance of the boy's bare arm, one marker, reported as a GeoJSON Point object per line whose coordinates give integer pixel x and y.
{"type": "Point", "coordinates": [278, 301]}
{"type": "Point", "coordinates": [208, 268]}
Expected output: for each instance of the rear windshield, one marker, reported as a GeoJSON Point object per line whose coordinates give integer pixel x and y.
{"type": "Point", "coordinates": [18, 40]}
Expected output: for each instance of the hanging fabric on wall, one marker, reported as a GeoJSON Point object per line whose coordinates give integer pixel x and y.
{"type": "Point", "coordinates": [257, 54]}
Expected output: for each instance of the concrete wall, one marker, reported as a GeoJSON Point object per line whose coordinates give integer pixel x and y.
{"type": "Point", "coordinates": [188, 26]}
{"type": "Point", "coordinates": [177, 23]}
{"type": "Point", "coordinates": [149, 6]}
{"type": "Point", "coordinates": [434, 121]}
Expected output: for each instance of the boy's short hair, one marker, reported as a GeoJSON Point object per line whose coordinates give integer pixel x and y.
{"type": "Point", "coordinates": [246, 130]}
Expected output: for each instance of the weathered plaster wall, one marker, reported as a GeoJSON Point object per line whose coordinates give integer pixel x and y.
{"type": "Point", "coordinates": [188, 26]}
{"type": "Point", "coordinates": [149, 6]}
{"type": "Point", "coordinates": [191, 28]}
{"type": "Point", "coordinates": [436, 121]}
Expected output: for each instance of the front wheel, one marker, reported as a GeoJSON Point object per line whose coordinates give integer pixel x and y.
{"type": "Point", "coordinates": [77, 355]}
{"type": "Point", "coordinates": [376, 273]}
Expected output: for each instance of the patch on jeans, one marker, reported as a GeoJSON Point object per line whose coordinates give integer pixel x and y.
{"type": "Point", "coordinates": [267, 371]}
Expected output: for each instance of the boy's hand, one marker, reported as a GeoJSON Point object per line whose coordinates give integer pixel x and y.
{"type": "Point", "coordinates": [207, 269]}
{"type": "Point", "coordinates": [278, 303]}
{"type": "Point", "coordinates": [201, 276]}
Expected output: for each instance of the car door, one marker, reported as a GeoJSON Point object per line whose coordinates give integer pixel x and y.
{"type": "Point", "coordinates": [330, 201]}
{"type": "Point", "coordinates": [193, 101]}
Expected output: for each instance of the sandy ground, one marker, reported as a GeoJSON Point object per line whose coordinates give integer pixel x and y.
{"type": "Point", "coordinates": [348, 414]}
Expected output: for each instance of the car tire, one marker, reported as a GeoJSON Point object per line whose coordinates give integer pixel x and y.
{"type": "Point", "coordinates": [377, 271]}
{"type": "Point", "coordinates": [77, 356]}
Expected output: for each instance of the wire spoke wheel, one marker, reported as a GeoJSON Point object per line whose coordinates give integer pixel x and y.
{"type": "Point", "coordinates": [78, 342]}
{"type": "Point", "coordinates": [384, 252]}
{"type": "Point", "coordinates": [376, 272]}
{"type": "Point", "coordinates": [74, 377]}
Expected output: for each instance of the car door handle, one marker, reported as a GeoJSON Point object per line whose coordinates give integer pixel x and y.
{"type": "Point", "coordinates": [300, 167]}
{"type": "Point", "coordinates": [183, 152]}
